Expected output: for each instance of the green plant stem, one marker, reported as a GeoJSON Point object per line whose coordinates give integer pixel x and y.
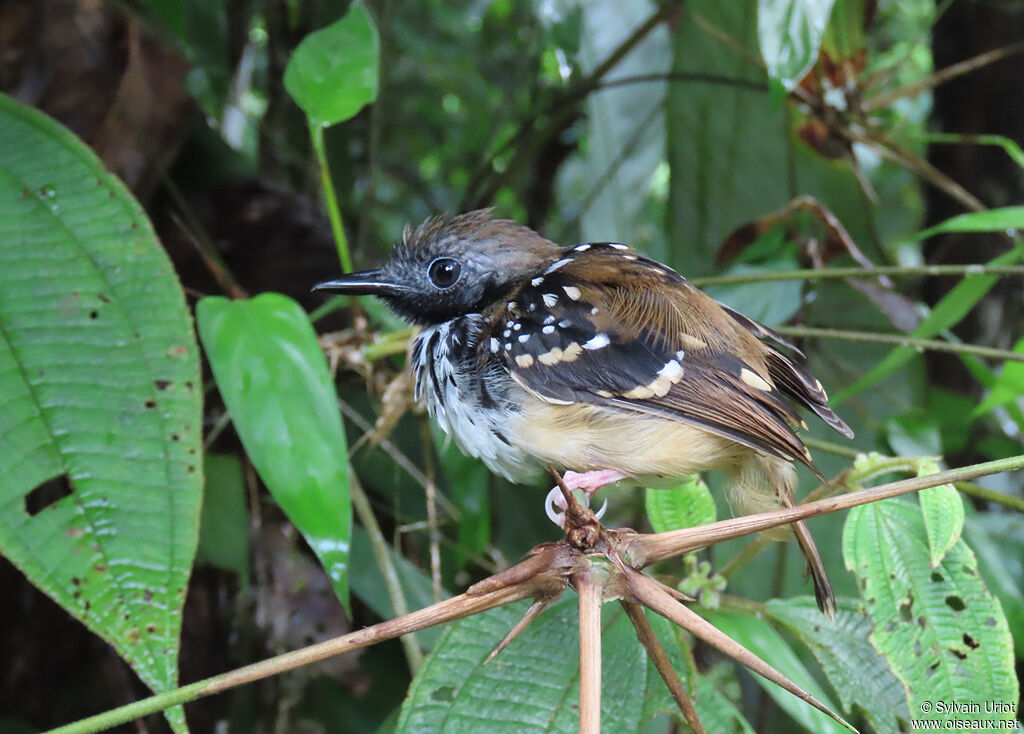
{"type": "Point", "coordinates": [857, 272]}
{"type": "Point", "coordinates": [361, 504]}
{"type": "Point", "coordinates": [316, 135]}
{"type": "Point", "coordinates": [833, 448]}
{"type": "Point", "coordinates": [990, 495]}
{"type": "Point", "coordinates": [900, 340]}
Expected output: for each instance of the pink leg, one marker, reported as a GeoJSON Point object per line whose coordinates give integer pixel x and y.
{"type": "Point", "coordinates": [589, 482]}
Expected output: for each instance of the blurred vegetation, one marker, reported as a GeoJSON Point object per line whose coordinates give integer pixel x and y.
{"type": "Point", "coordinates": [679, 128]}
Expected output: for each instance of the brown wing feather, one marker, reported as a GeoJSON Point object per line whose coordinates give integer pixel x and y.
{"type": "Point", "coordinates": [606, 326]}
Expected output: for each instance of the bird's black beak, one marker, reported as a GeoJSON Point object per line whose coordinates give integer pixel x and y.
{"type": "Point", "coordinates": [365, 283]}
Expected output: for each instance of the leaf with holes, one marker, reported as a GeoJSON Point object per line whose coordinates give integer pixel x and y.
{"type": "Point", "coordinates": [274, 380]}
{"type": "Point", "coordinates": [841, 647]}
{"type": "Point", "coordinates": [943, 633]}
{"type": "Point", "coordinates": [100, 471]}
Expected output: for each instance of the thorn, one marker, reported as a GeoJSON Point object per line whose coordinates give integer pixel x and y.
{"type": "Point", "coordinates": [531, 614]}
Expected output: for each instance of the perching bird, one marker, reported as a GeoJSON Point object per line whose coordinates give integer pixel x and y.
{"type": "Point", "coordinates": [598, 360]}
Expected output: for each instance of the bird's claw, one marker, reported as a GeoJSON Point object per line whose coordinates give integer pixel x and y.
{"type": "Point", "coordinates": [555, 501]}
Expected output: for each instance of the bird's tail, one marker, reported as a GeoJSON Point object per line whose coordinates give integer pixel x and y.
{"type": "Point", "coordinates": [762, 483]}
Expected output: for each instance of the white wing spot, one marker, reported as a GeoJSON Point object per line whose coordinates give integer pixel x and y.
{"type": "Point", "coordinates": [680, 354]}
{"type": "Point", "coordinates": [572, 291]}
{"type": "Point", "coordinates": [512, 305]}
{"type": "Point", "coordinates": [581, 248]}
{"type": "Point", "coordinates": [617, 246]}
{"type": "Point", "coordinates": [523, 338]}
{"type": "Point", "coordinates": [671, 371]}
{"type": "Point", "coordinates": [518, 326]}
{"type": "Point", "coordinates": [597, 342]}
{"type": "Point", "coordinates": [629, 257]}
{"type": "Point", "coordinates": [593, 311]}
{"type": "Point", "coordinates": [549, 329]}
{"type": "Point", "coordinates": [495, 344]}
{"type": "Point", "coordinates": [550, 299]}
{"type": "Point", "coordinates": [508, 345]}
{"type": "Point", "coordinates": [557, 265]}
{"type": "Point", "coordinates": [754, 380]}
{"type": "Point", "coordinates": [537, 281]}
{"type": "Point", "coordinates": [549, 319]}
{"type": "Point", "coordinates": [507, 333]}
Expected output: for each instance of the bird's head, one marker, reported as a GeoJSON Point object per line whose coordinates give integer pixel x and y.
{"type": "Point", "coordinates": [450, 266]}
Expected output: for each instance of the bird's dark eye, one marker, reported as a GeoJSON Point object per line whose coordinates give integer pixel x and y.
{"type": "Point", "coordinates": [444, 272]}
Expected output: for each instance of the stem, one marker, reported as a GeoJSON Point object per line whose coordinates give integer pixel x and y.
{"type": "Point", "coordinates": [833, 448]}
{"type": "Point", "coordinates": [447, 611]}
{"type": "Point", "coordinates": [990, 495]}
{"type": "Point", "coordinates": [933, 345]}
{"type": "Point", "coordinates": [645, 550]}
{"type": "Point", "coordinates": [942, 75]}
{"type": "Point", "coordinates": [361, 504]}
{"type": "Point", "coordinates": [855, 272]}
{"type": "Point", "coordinates": [316, 135]}
{"type": "Point", "coordinates": [589, 587]}
{"type": "Point", "coordinates": [645, 633]}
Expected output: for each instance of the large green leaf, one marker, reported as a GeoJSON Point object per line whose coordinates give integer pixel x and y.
{"type": "Point", "coordinates": [333, 73]}
{"type": "Point", "coordinates": [99, 385]}
{"type": "Point", "coordinates": [789, 33]}
{"type": "Point", "coordinates": [758, 636]}
{"type": "Point", "coordinates": [857, 673]}
{"type": "Point", "coordinates": [533, 686]}
{"type": "Point", "coordinates": [274, 380]}
{"type": "Point", "coordinates": [943, 633]}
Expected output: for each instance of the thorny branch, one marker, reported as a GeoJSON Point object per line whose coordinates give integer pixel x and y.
{"type": "Point", "coordinates": [588, 554]}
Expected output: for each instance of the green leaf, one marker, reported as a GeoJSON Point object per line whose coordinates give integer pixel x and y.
{"type": "Point", "coordinates": [943, 633]}
{"type": "Point", "coordinates": [961, 299]}
{"type": "Point", "coordinates": [998, 540]}
{"type": "Point", "coordinates": [686, 505]}
{"type": "Point", "coordinates": [224, 528]}
{"type": "Point", "coordinates": [1008, 387]}
{"type": "Point", "coordinates": [532, 686]}
{"type": "Point", "coordinates": [100, 392]}
{"type": "Point", "coordinates": [854, 669]}
{"type": "Point", "coordinates": [943, 511]}
{"type": "Point", "coordinates": [333, 73]}
{"type": "Point", "coordinates": [758, 636]}
{"type": "Point", "coordinates": [789, 33]}
{"type": "Point", "coordinates": [274, 380]}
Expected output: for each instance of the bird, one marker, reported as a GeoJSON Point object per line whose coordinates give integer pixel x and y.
{"type": "Point", "coordinates": [599, 362]}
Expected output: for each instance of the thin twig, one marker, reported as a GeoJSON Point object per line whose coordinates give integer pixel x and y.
{"type": "Point", "coordinates": [644, 550]}
{"type": "Point", "coordinates": [381, 553]}
{"type": "Point", "coordinates": [930, 271]}
{"type": "Point", "coordinates": [646, 591]}
{"type": "Point", "coordinates": [942, 75]}
{"type": "Point", "coordinates": [645, 633]}
{"type": "Point", "coordinates": [931, 345]}
{"type": "Point", "coordinates": [990, 495]}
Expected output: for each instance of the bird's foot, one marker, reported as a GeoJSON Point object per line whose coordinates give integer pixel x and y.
{"type": "Point", "coordinates": [588, 482]}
